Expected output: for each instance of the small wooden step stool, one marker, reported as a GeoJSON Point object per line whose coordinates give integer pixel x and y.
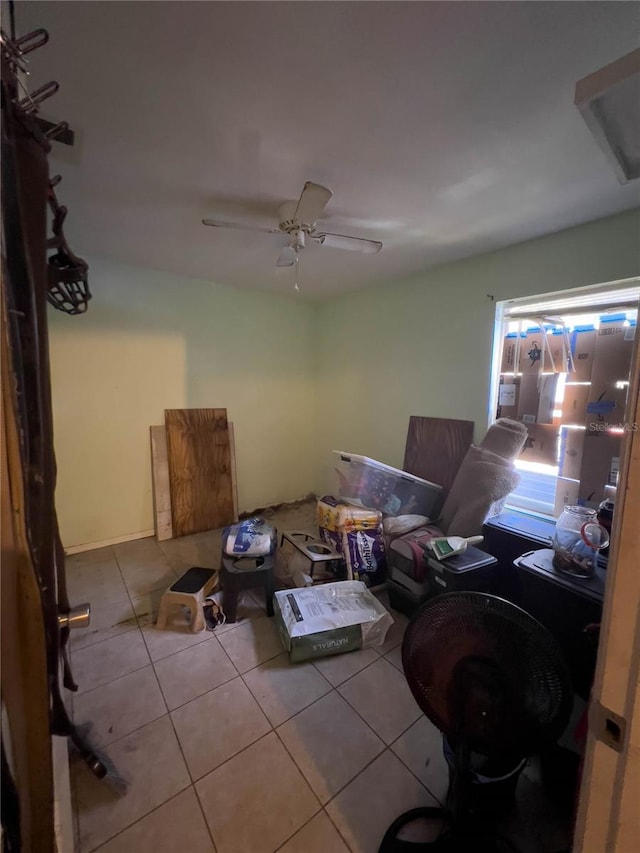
{"type": "Point", "coordinates": [188, 591]}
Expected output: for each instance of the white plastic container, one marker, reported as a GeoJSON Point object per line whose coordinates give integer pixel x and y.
{"type": "Point", "coordinates": [365, 482]}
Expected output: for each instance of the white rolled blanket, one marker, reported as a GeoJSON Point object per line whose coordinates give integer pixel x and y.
{"type": "Point", "coordinates": [484, 480]}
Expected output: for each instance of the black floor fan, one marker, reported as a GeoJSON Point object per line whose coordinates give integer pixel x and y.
{"type": "Point", "coordinates": [494, 681]}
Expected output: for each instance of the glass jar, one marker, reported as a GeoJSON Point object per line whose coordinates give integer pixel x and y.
{"type": "Point", "coordinates": [577, 539]}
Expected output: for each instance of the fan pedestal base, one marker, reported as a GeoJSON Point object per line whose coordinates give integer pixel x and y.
{"type": "Point", "coordinates": [456, 838]}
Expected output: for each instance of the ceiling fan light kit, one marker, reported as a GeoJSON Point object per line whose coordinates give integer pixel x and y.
{"type": "Point", "coordinates": [609, 102]}
{"type": "Point", "coordinates": [298, 220]}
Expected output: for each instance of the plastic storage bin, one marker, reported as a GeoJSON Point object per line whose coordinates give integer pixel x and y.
{"type": "Point", "coordinates": [365, 482]}
{"type": "Point", "coordinates": [472, 570]}
{"type": "Point", "coordinates": [406, 595]}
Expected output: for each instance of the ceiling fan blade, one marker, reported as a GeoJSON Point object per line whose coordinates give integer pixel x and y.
{"type": "Point", "coordinates": [311, 203]}
{"type": "Point", "coordinates": [218, 223]}
{"type": "Point", "coordinates": [353, 244]}
{"type": "Point", "coordinates": [286, 258]}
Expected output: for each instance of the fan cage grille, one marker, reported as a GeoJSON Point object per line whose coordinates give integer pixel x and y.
{"type": "Point", "coordinates": [483, 669]}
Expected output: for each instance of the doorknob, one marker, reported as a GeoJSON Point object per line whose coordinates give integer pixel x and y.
{"type": "Point", "coordinates": [77, 617]}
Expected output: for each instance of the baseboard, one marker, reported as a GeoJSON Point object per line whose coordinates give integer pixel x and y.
{"type": "Point", "coordinates": [89, 546]}
{"type": "Point", "coordinates": [261, 510]}
{"type": "Point", "coordinates": [143, 534]}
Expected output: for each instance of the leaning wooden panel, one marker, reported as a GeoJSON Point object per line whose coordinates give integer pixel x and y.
{"type": "Point", "coordinates": [200, 479]}
{"type": "Point", "coordinates": [436, 447]}
{"type": "Point", "coordinates": [160, 480]}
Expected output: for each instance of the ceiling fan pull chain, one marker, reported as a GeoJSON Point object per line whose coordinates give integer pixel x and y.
{"type": "Point", "coordinates": [296, 267]}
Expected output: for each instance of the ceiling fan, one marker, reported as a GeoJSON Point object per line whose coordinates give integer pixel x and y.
{"type": "Point", "coordinates": [298, 220]}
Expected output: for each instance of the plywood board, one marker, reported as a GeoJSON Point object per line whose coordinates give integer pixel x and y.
{"type": "Point", "coordinates": [160, 479]}
{"type": "Point", "coordinates": [200, 478]}
{"type": "Point", "coordinates": [436, 447]}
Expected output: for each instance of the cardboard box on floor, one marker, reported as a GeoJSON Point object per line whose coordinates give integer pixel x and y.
{"type": "Point", "coordinates": [606, 405]}
{"type": "Point", "coordinates": [583, 344]}
{"type": "Point", "coordinates": [558, 343]}
{"type": "Point", "coordinates": [547, 397]}
{"type": "Point", "coordinates": [614, 347]}
{"type": "Point", "coordinates": [544, 350]}
{"type": "Point", "coordinates": [541, 445]}
{"type": "Point", "coordinates": [600, 466]}
{"type": "Point", "coordinates": [606, 412]}
{"type": "Point", "coordinates": [531, 352]}
{"type": "Point", "coordinates": [536, 399]}
{"type": "Point", "coordinates": [567, 492]}
{"type": "Point", "coordinates": [527, 405]}
{"type": "Point", "coordinates": [571, 449]}
{"type": "Point", "coordinates": [508, 394]}
{"type": "Point", "coordinates": [509, 352]}
{"type": "Point", "coordinates": [574, 404]}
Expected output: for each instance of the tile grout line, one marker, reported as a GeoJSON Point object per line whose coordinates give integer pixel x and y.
{"type": "Point", "coordinates": [106, 746]}
{"type": "Point", "coordinates": [111, 680]}
{"type": "Point", "coordinates": [140, 817]}
{"type": "Point", "coordinates": [228, 681]}
{"type": "Point", "coordinates": [323, 806]}
{"type": "Point", "coordinates": [305, 780]}
{"type": "Point", "coordinates": [323, 811]}
{"type": "Point", "coordinates": [168, 714]}
{"type": "Point", "coordinates": [366, 666]}
{"type": "Point", "coordinates": [272, 727]}
{"type": "Point", "coordinates": [275, 730]}
{"type": "Point", "coordinates": [204, 817]}
{"type": "Point", "coordinates": [193, 698]}
{"type": "Point", "coordinates": [137, 820]}
{"type": "Point", "coordinates": [404, 763]}
{"type": "Point", "coordinates": [337, 828]}
{"type": "Point", "coordinates": [299, 711]}
{"type": "Point", "coordinates": [124, 583]}
{"type": "Point", "coordinates": [385, 745]}
{"type": "Point", "coordinates": [404, 731]}
{"type": "Point", "coordinates": [104, 639]}
{"type": "Point", "coordinates": [76, 810]}
{"type": "Point", "coordinates": [231, 757]}
{"type": "Point", "coordinates": [186, 764]}
{"type": "Point", "coordinates": [346, 785]}
{"type": "Point", "coordinates": [172, 654]}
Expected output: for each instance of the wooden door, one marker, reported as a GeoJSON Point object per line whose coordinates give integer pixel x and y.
{"type": "Point", "coordinates": [608, 818]}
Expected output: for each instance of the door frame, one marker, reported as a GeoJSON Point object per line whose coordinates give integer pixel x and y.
{"type": "Point", "coordinates": [608, 817]}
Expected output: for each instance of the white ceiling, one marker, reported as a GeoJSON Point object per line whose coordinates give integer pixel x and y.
{"type": "Point", "coordinates": [443, 129]}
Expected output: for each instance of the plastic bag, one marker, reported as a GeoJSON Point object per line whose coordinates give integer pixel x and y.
{"type": "Point", "coordinates": [253, 537]}
{"type": "Point", "coordinates": [329, 619]}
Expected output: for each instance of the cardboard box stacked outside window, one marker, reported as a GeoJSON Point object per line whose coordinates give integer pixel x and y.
{"type": "Point", "coordinates": [589, 457]}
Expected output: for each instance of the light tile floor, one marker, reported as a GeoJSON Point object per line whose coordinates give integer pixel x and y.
{"type": "Point", "coordinates": [225, 746]}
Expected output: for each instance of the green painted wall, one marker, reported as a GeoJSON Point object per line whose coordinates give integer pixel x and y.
{"type": "Point", "coordinates": [151, 341]}
{"type": "Point", "coordinates": [298, 379]}
{"type": "Point", "coordinates": [423, 346]}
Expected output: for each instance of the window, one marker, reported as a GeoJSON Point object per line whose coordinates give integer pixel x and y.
{"type": "Point", "coordinates": [561, 366]}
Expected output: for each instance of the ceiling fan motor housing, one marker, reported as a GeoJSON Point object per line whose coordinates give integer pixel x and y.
{"type": "Point", "coordinates": [297, 240]}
